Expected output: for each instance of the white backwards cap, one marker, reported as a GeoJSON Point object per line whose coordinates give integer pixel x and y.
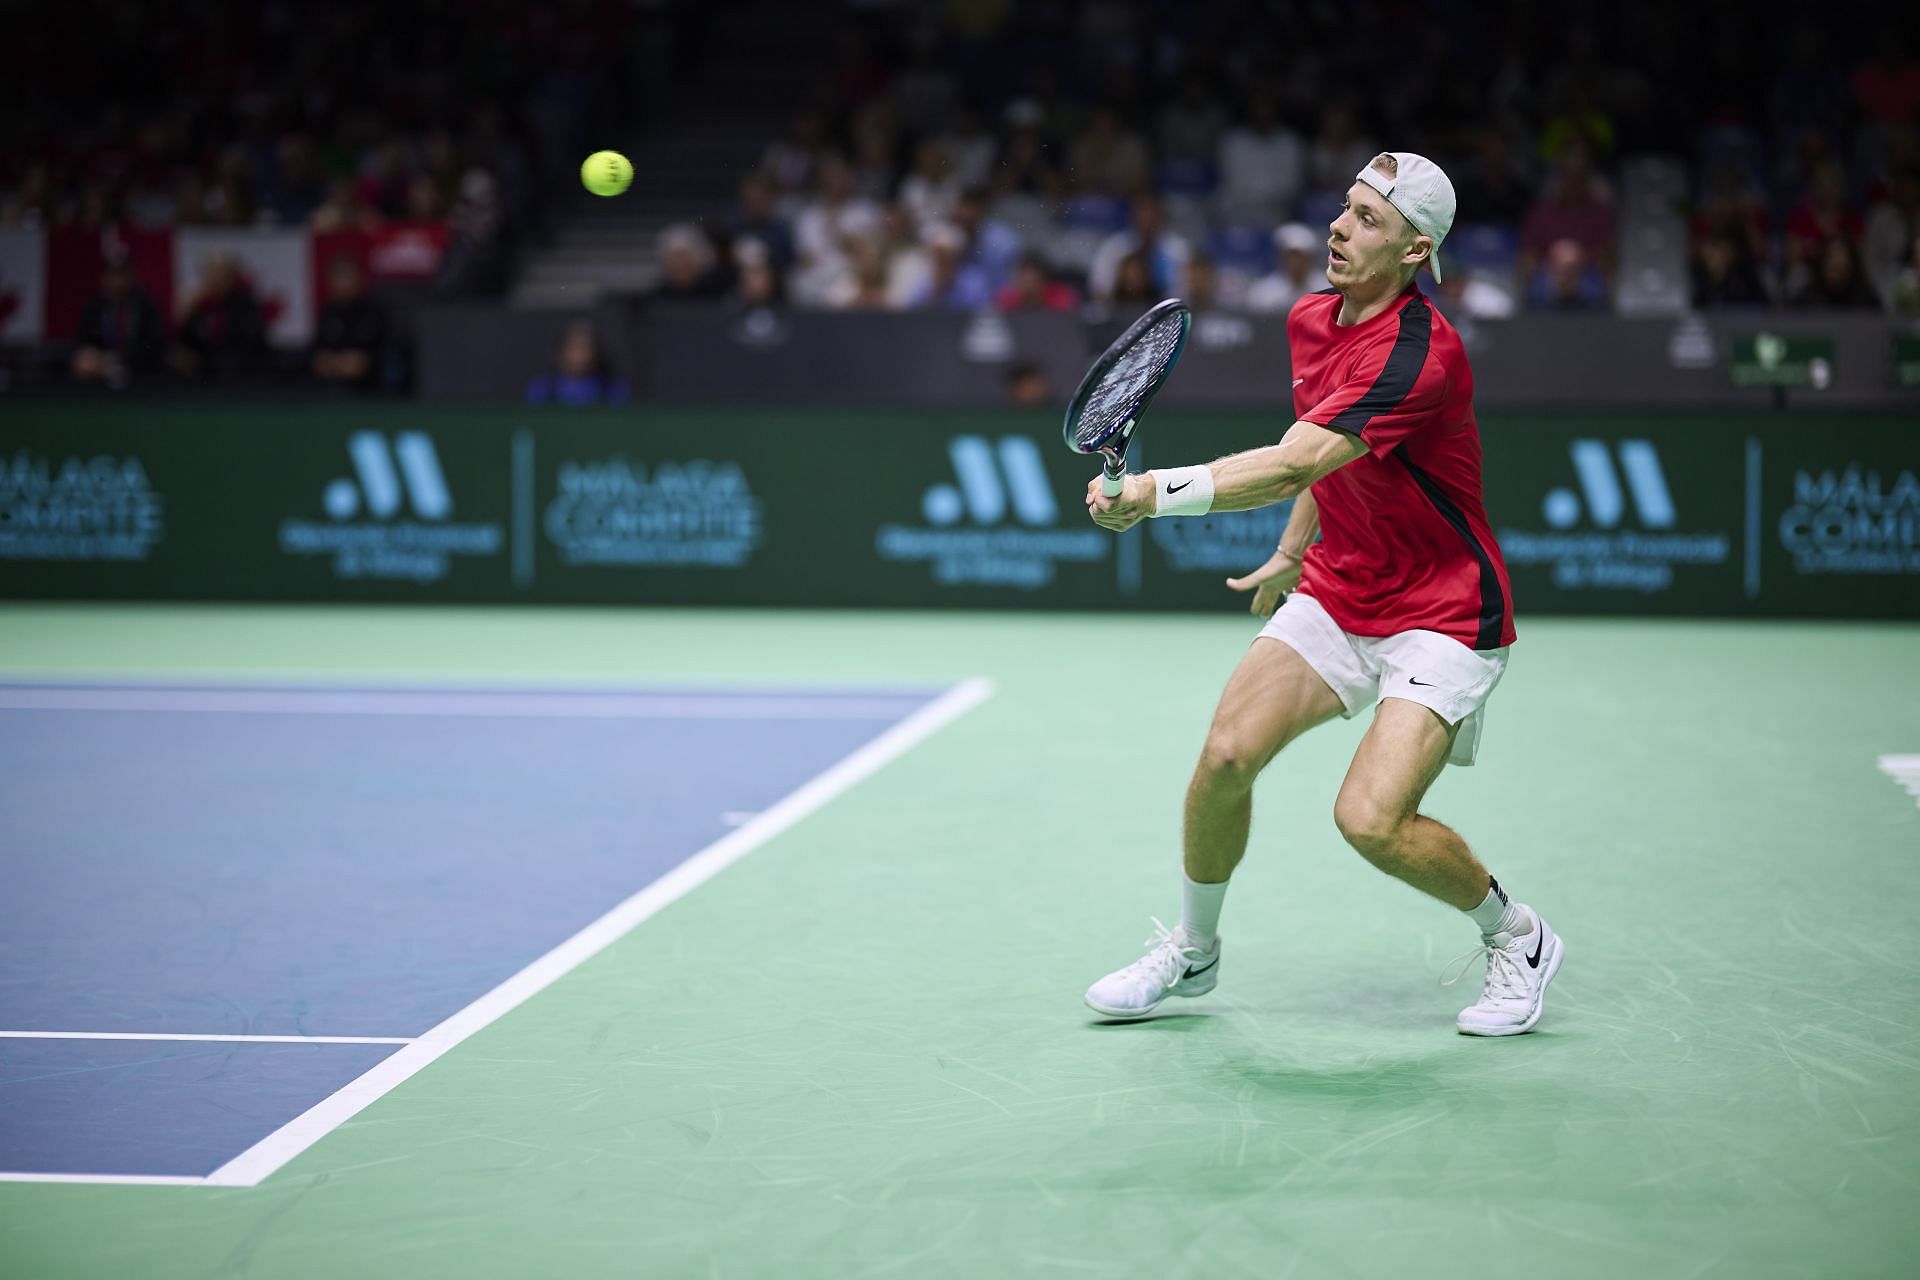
{"type": "Point", "coordinates": [1421, 192]}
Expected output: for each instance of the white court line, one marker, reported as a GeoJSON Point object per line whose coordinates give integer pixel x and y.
{"type": "Point", "coordinates": [422, 702]}
{"type": "Point", "coordinates": [1905, 770]}
{"type": "Point", "coordinates": [169, 1035]}
{"type": "Point", "coordinates": [289, 1140]}
{"type": "Point", "coordinates": [132, 1179]}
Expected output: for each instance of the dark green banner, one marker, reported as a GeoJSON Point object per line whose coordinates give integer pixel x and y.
{"type": "Point", "coordinates": [1778, 514]}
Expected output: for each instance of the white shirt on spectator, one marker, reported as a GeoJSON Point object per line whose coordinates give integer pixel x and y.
{"type": "Point", "coordinates": [818, 237]}
{"type": "Point", "coordinates": [928, 199]}
{"type": "Point", "coordinates": [972, 155]}
{"type": "Point", "coordinates": [1275, 294]}
{"type": "Point", "coordinates": [1261, 171]}
{"type": "Point", "coordinates": [1884, 249]}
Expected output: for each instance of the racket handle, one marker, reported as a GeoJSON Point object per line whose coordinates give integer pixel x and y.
{"type": "Point", "coordinates": [1111, 482]}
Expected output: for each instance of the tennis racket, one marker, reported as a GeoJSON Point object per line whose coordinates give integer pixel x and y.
{"type": "Point", "coordinates": [1107, 408]}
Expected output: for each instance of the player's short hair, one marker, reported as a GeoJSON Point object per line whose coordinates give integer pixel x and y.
{"type": "Point", "coordinates": [1386, 163]}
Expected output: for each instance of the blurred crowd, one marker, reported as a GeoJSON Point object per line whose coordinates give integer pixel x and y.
{"type": "Point", "coordinates": [292, 115]}
{"type": "Point", "coordinates": [456, 116]}
{"type": "Point", "coordinates": [1052, 155]}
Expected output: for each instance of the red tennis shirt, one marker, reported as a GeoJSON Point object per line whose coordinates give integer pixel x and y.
{"type": "Point", "coordinates": [1405, 544]}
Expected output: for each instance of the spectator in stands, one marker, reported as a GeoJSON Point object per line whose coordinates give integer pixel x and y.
{"type": "Point", "coordinates": [909, 264]}
{"type": "Point", "coordinates": [825, 230]}
{"type": "Point", "coordinates": [1262, 164]}
{"type": "Point", "coordinates": [867, 288]}
{"type": "Point", "coordinates": [1493, 188]}
{"type": "Point", "coordinates": [1200, 283]}
{"type": "Point", "coordinates": [1467, 295]}
{"type": "Point", "coordinates": [688, 270]}
{"type": "Point", "coordinates": [930, 191]}
{"type": "Point", "coordinates": [423, 200]}
{"type": "Point", "coordinates": [1579, 119]}
{"type": "Point", "coordinates": [1726, 274]}
{"type": "Point", "coordinates": [1905, 299]}
{"type": "Point", "coordinates": [1027, 165]}
{"type": "Point", "coordinates": [1836, 280]}
{"type": "Point", "coordinates": [1108, 159]}
{"type": "Point", "coordinates": [31, 203]}
{"type": "Point", "coordinates": [342, 210]}
{"type": "Point", "coordinates": [1732, 208]}
{"type": "Point", "coordinates": [876, 150]}
{"type": "Point", "coordinates": [1165, 251]}
{"type": "Point", "coordinates": [1339, 151]}
{"type": "Point", "coordinates": [1819, 218]}
{"type": "Point", "coordinates": [297, 188]}
{"type": "Point", "coordinates": [1027, 386]}
{"type": "Point", "coordinates": [971, 147]}
{"type": "Point", "coordinates": [1892, 226]}
{"type": "Point", "coordinates": [756, 219]}
{"type": "Point", "coordinates": [1189, 129]}
{"type": "Point", "coordinates": [223, 332]}
{"type": "Point", "coordinates": [383, 183]}
{"type": "Point", "coordinates": [992, 246]}
{"type": "Point", "coordinates": [1133, 285]}
{"type": "Point", "coordinates": [580, 375]}
{"type": "Point", "coordinates": [1577, 209]}
{"type": "Point", "coordinates": [953, 282]}
{"type": "Point", "coordinates": [1034, 289]}
{"type": "Point", "coordinates": [756, 282]}
{"type": "Point", "coordinates": [352, 332]}
{"type": "Point", "coordinates": [1567, 281]}
{"type": "Point", "coordinates": [229, 200]}
{"type": "Point", "coordinates": [478, 255]}
{"type": "Point", "coordinates": [1299, 269]}
{"type": "Point", "coordinates": [792, 163]}
{"type": "Point", "coordinates": [122, 333]}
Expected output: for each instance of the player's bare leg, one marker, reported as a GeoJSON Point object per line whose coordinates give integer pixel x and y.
{"type": "Point", "coordinates": [1378, 814]}
{"type": "Point", "coordinates": [1272, 698]}
{"type": "Point", "coordinates": [1377, 811]}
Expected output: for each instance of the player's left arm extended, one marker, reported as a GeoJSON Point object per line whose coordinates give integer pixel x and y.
{"type": "Point", "coordinates": [1238, 482]}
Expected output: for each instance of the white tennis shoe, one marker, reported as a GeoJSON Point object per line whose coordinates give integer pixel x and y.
{"type": "Point", "coordinates": [1518, 971]}
{"type": "Point", "coordinates": [1172, 967]}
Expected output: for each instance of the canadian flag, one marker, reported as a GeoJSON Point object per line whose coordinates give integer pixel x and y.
{"type": "Point", "coordinates": [278, 264]}
{"type": "Point", "coordinates": [75, 256]}
{"type": "Point", "coordinates": [23, 286]}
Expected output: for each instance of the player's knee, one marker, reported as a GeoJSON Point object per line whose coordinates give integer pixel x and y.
{"type": "Point", "coordinates": [1225, 762]}
{"type": "Point", "coordinates": [1371, 828]}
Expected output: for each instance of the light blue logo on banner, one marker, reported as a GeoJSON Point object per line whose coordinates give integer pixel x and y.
{"type": "Point", "coordinates": [995, 522]}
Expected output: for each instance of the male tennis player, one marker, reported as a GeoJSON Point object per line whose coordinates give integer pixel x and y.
{"type": "Point", "coordinates": [1404, 600]}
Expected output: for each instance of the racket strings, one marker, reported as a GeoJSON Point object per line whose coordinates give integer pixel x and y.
{"type": "Point", "coordinates": [1115, 398]}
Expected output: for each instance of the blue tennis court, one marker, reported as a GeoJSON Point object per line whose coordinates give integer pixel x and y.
{"type": "Point", "coordinates": [235, 915]}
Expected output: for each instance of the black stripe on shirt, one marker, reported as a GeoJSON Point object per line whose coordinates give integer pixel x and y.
{"type": "Point", "coordinates": [1397, 376]}
{"type": "Point", "coordinates": [1493, 606]}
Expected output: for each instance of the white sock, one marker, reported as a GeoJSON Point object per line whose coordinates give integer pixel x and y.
{"type": "Point", "coordinates": [1200, 911]}
{"type": "Point", "coordinates": [1497, 914]}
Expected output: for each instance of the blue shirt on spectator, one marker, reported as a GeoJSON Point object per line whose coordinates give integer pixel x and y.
{"type": "Point", "coordinates": [571, 389]}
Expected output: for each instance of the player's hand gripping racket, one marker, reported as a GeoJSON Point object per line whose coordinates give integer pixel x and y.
{"type": "Point", "coordinates": [1114, 395]}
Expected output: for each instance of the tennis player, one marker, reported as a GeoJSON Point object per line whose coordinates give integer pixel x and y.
{"type": "Point", "coordinates": [1404, 601]}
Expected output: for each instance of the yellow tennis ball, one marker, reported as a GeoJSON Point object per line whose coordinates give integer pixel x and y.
{"type": "Point", "coordinates": [606, 173]}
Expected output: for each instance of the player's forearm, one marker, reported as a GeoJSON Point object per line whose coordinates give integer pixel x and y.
{"type": "Point", "coordinates": [1303, 526]}
{"type": "Point", "coordinates": [1258, 478]}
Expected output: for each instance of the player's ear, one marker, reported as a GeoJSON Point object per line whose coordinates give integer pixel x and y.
{"type": "Point", "coordinates": [1419, 249]}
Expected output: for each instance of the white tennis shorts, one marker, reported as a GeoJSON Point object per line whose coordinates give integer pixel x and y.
{"type": "Point", "coordinates": [1426, 667]}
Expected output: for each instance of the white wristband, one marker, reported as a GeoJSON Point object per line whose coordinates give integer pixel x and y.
{"type": "Point", "coordinates": [1183, 491]}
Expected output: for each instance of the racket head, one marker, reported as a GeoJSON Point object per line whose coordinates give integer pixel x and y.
{"type": "Point", "coordinates": [1121, 384]}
